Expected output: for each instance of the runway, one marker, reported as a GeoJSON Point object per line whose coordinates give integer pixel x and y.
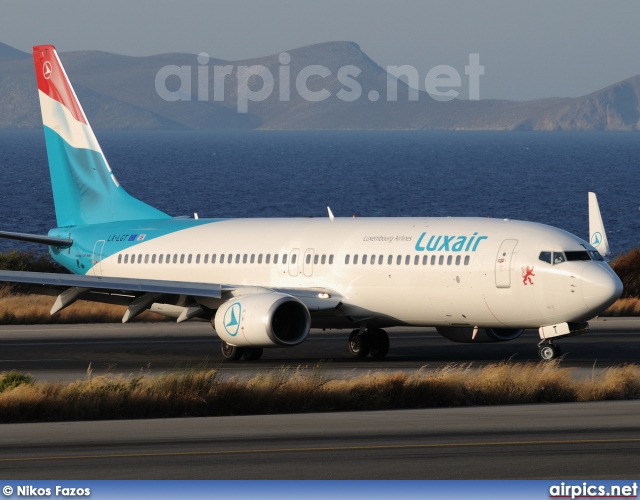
{"type": "Point", "coordinates": [560, 441]}
{"type": "Point", "coordinates": [65, 352]}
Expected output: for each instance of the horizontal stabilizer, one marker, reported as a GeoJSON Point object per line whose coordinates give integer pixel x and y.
{"type": "Point", "coordinates": [40, 240]}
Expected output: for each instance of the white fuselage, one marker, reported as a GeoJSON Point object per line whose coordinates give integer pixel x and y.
{"type": "Point", "coordinates": [389, 271]}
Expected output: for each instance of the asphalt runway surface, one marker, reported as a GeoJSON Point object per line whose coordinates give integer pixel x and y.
{"type": "Point", "coordinates": [65, 352]}
{"type": "Point", "coordinates": [553, 441]}
{"type": "Point", "coordinates": [559, 441]}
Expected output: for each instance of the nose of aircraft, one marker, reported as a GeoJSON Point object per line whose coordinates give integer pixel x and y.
{"type": "Point", "coordinates": [600, 287]}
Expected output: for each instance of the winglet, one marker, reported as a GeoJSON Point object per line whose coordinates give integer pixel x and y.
{"type": "Point", "coordinates": [597, 235]}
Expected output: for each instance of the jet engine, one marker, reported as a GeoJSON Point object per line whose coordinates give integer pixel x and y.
{"type": "Point", "coordinates": [465, 335]}
{"type": "Point", "coordinates": [268, 319]}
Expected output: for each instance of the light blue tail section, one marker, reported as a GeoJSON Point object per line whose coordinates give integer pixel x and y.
{"type": "Point", "coordinates": [85, 191]}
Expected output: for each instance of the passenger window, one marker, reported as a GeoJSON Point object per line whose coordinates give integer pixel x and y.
{"type": "Point", "coordinates": [390, 260]}
{"type": "Point", "coordinates": [308, 259]}
{"type": "Point", "coordinates": [457, 260]}
{"type": "Point", "coordinates": [466, 260]}
{"type": "Point", "coordinates": [198, 259]}
{"type": "Point", "coordinates": [558, 257]}
{"type": "Point", "coordinates": [139, 258]}
{"type": "Point", "coordinates": [441, 260]}
{"type": "Point", "coordinates": [260, 258]}
{"type": "Point", "coordinates": [284, 258]}
{"type": "Point", "coordinates": [294, 258]}
{"type": "Point", "coordinates": [181, 258]}
{"type": "Point", "coordinates": [175, 258]}
{"type": "Point", "coordinates": [126, 259]}
{"type": "Point", "coordinates": [229, 258]}
{"type": "Point", "coordinates": [221, 258]}
{"type": "Point", "coordinates": [323, 260]}
{"type": "Point", "coordinates": [189, 259]}
{"type": "Point", "coordinates": [545, 257]}
{"type": "Point", "coordinates": [380, 259]}
{"type": "Point", "coordinates": [355, 259]}
{"type": "Point", "coordinates": [416, 260]}
{"type": "Point", "coordinates": [364, 259]}
{"type": "Point", "coordinates": [244, 258]}
{"type": "Point", "coordinates": [146, 258]}
{"type": "Point", "coordinates": [316, 257]}
{"type": "Point", "coordinates": [206, 258]}
{"type": "Point", "coordinates": [153, 258]}
{"type": "Point", "coordinates": [237, 258]}
{"type": "Point", "coordinates": [449, 260]}
{"type": "Point", "coordinates": [120, 259]}
{"type": "Point", "coordinates": [346, 259]}
{"type": "Point", "coordinates": [399, 260]}
{"type": "Point", "coordinates": [253, 258]}
{"type": "Point", "coordinates": [133, 258]}
{"type": "Point", "coordinates": [275, 258]}
{"type": "Point", "coordinates": [425, 259]}
{"type": "Point", "coordinates": [433, 260]}
{"type": "Point", "coordinates": [407, 260]}
{"type": "Point", "coordinates": [267, 259]}
{"type": "Point", "coordinates": [330, 259]}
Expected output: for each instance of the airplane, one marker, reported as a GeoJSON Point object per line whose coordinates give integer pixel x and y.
{"type": "Point", "coordinates": [264, 283]}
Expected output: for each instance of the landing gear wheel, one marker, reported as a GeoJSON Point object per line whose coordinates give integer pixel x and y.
{"type": "Point", "coordinates": [549, 352]}
{"type": "Point", "coordinates": [231, 352]}
{"type": "Point", "coordinates": [379, 341]}
{"type": "Point", "coordinates": [252, 353]}
{"type": "Point", "coordinates": [358, 344]}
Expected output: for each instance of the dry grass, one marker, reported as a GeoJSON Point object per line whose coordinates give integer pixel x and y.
{"type": "Point", "coordinates": [28, 309]}
{"type": "Point", "coordinates": [205, 393]}
{"type": "Point", "coordinates": [624, 307]}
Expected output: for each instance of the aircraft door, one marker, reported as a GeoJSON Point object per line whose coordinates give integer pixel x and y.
{"type": "Point", "coordinates": [307, 265]}
{"type": "Point", "coordinates": [503, 263]}
{"type": "Point", "coordinates": [293, 262]}
{"type": "Point", "coordinates": [96, 258]}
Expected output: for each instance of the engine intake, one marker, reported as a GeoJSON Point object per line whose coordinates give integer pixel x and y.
{"type": "Point", "coordinates": [464, 334]}
{"type": "Point", "coordinates": [266, 319]}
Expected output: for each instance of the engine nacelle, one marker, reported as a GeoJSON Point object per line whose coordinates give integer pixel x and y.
{"type": "Point", "coordinates": [266, 319]}
{"type": "Point", "coordinates": [464, 334]}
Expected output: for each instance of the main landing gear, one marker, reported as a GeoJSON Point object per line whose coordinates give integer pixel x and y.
{"type": "Point", "coordinates": [548, 351]}
{"type": "Point", "coordinates": [374, 341]}
{"type": "Point", "coordinates": [234, 353]}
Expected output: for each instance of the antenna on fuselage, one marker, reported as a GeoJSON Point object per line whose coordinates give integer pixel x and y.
{"type": "Point", "coordinates": [330, 214]}
{"type": "Point", "coordinates": [597, 234]}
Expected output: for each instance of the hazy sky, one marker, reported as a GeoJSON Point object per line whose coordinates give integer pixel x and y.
{"type": "Point", "coordinates": [529, 49]}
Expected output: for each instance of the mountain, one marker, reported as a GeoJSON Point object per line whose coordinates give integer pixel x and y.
{"type": "Point", "coordinates": [119, 92]}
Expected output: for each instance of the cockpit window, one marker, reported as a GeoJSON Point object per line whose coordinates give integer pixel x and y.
{"type": "Point", "coordinates": [545, 257]}
{"type": "Point", "coordinates": [577, 255]}
{"type": "Point", "coordinates": [558, 257]}
{"type": "Point", "coordinates": [596, 255]}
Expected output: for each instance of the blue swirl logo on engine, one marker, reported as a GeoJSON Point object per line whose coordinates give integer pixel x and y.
{"type": "Point", "coordinates": [232, 319]}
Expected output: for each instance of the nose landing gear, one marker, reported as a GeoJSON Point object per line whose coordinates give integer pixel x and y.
{"type": "Point", "coordinates": [548, 351]}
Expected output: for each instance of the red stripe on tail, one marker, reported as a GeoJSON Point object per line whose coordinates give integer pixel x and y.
{"type": "Point", "coordinates": [53, 81]}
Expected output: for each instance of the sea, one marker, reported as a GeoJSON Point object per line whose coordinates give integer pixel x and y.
{"type": "Point", "coordinates": [536, 176]}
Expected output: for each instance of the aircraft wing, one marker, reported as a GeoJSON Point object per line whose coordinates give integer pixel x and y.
{"type": "Point", "coordinates": [139, 294]}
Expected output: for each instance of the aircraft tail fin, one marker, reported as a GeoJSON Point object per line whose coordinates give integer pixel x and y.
{"type": "Point", "coordinates": [85, 189]}
{"type": "Point", "coordinates": [597, 234]}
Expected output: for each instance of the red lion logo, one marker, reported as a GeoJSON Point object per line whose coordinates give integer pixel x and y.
{"type": "Point", "coordinates": [527, 272]}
